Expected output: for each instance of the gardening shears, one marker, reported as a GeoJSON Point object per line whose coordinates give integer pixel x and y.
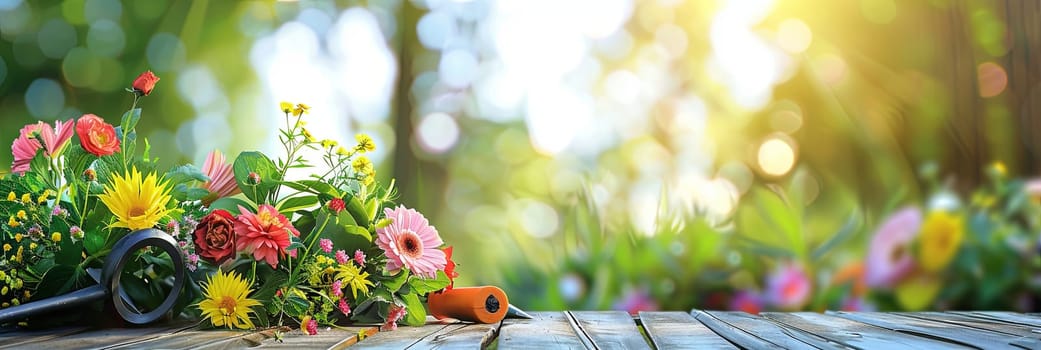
{"type": "Point", "coordinates": [108, 283]}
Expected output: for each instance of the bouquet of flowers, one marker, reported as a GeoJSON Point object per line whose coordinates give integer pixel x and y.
{"type": "Point", "coordinates": [261, 249]}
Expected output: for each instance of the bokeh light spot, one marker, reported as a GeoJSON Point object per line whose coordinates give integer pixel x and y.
{"type": "Point", "coordinates": [437, 133]}
{"type": "Point", "coordinates": [72, 11]}
{"type": "Point", "coordinates": [878, 11]}
{"type": "Point", "coordinates": [14, 20]}
{"type": "Point", "coordinates": [776, 157]}
{"type": "Point", "coordinates": [794, 36]}
{"type": "Point", "coordinates": [81, 67]}
{"type": "Point", "coordinates": [106, 38]}
{"type": "Point", "coordinates": [435, 29]}
{"type": "Point", "coordinates": [458, 68]}
{"type": "Point", "coordinates": [56, 37]}
{"type": "Point", "coordinates": [96, 10]}
{"type": "Point", "coordinates": [44, 99]}
{"type": "Point", "coordinates": [538, 219]}
{"type": "Point", "coordinates": [165, 52]}
{"type": "Point", "coordinates": [992, 79]}
{"type": "Point", "coordinates": [831, 68]}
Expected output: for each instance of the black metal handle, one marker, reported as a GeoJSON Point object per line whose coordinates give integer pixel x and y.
{"type": "Point", "coordinates": [109, 287]}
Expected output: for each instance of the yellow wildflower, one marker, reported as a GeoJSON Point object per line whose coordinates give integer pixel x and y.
{"type": "Point", "coordinates": [32, 246]}
{"type": "Point", "coordinates": [56, 237]}
{"type": "Point", "coordinates": [7, 247]}
{"type": "Point", "coordinates": [352, 276]}
{"type": "Point", "coordinates": [940, 239]}
{"type": "Point", "coordinates": [369, 179]}
{"type": "Point", "coordinates": [11, 222]}
{"type": "Point", "coordinates": [21, 215]}
{"type": "Point", "coordinates": [342, 151]}
{"type": "Point", "coordinates": [327, 143]}
{"type": "Point", "coordinates": [286, 107]}
{"type": "Point", "coordinates": [307, 134]}
{"type": "Point", "coordinates": [362, 165]}
{"type": "Point", "coordinates": [365, 143]}
{"type": "Point", "coordinates": [999, 168]}
{"type": "Point", "coordinates": [27, 198]}
{"type": "Point", "coordinates": [3, 276]}
{"type": "Point", "coordinates": [301, 109]}
{"type": "Point", "coordinates": [12, 197]}
{"type": "Point", "coordinates": [18, 238]}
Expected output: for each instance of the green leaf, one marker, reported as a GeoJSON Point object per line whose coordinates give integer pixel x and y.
{"type": "Point", "coordinates": [847, 231]}
{"type": "Point", "coordinates": [231, 204]}
{"type": "Point", "coordinates": [184, 174]}
{"type": "Point", "coordinates": [69, 253]}
{"type": "Point", "coordinates": [130, 119]}
{"type": "Point", "coordinates": [415, 315]}
{"type": "Point", "coordinates": [256, 162]}
{"type": "Point", "coordinates": [297, 306]}
{"type": "Point", "coordinates": [422, 286]}
{"type": "Point", "coordinates": [293, 204]}
{"type": "Point", "coordinates": [394, 283]}
{"type": "Point", "coordinates": [58, 280]}
{"type": "Point", "coordinates": [319, 187]}
{"type": "Point", "coordinates": [358, 211]}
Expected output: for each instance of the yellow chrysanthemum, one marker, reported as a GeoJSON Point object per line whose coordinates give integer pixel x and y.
{"type": "Point", "coordinates": [56, 237]}
{"type": "Point", "coordinates": [301, 109]}
{"type": "Point", "coordinates": [286, 107]}
{"type": "Point", "coordinates": [17, 238]}
{"type": "Point", "coordinates": [362, 165]}
{"type": "Point", "coordinates": [940, 239]}
{"type": "Point", "coordinates": [365, 143]}
{"type": "Point", "coordinates": [137, 202]}
{"type": "Point", "coordinates": [27, 198]}
{"type": "Point", "coordinates": [12, 197]}
{"type": "Point", "coordinates": [226, 301]}
{"type": "Point", "coordinates": [327, 143]}
{"type": "Point", "coordinates": [12, 222]}
{"type": "Point", "coordinates": [342, 151]}
{"type": "Point", "coordinates": [352, 276]}
{"type": "Point", "coordinates": [369, 179]}
{"type": "Point", "coordinates": [21, 215]}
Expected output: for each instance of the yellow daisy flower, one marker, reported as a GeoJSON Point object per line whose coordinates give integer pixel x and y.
{"type": "Point", "coordinates": [307, 134]}
{"type": "Point", "coordinates": [21, 215]}
{"type": "Point", "coordinates": [137, 202]}
{"type": "Point", "coordinates": [352, 276]}
{"type": "Point", "coordinates": [327, 143]}
{"type": "Point", "coordinates": [301, 109]}
{"type": "Point", "coordinates": [362, 165]}
{"type": "Point", "coordinates": [27, 198]}
{"type": "Point", "coordinates": [940, 239]}
{"type": "Point", "coordinates": [365, 143]}
{"type": "Point", "coordinates": [12, 197]}
{"type": "Point", "coordinates": [226, 301]}
{"type": "Point", "coordinates": [286, 107]}
{"type": "Point", "coordinates": [342, 151]}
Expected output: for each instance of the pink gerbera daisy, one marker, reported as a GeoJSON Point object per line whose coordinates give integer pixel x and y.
{"type": "Point", "coordinates": [265, 234]}
{"type": "Point", "coordinates": [409, 241]}
{"type": "Point", "coordinates": [222, 179]}
{"type": "Point", "coordinates": [889, 257]}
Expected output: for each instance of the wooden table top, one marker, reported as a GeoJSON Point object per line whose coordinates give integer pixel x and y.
{"type": "Point", "coordinates": [595, 330]}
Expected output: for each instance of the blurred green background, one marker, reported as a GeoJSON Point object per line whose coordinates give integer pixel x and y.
{"type": "Point", "coordinates": [587, 153]}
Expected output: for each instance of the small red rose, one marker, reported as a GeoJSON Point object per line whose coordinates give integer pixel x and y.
{"type": "Point", "coordinates": [215, 236]}
{"type": "Point", "coordinates": [145, 82]}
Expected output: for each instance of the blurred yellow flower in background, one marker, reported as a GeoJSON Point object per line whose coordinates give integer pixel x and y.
{"type": "Point", "coordinates": [286, 107]}
{"type": "Point", "coordinates": [940, 239]}
{"type": "Point", "coordinates": [301, 109]}
{"type": "Point", "coordinates": [365, 143]}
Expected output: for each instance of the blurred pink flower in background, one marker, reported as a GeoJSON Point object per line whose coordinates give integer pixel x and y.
{"type": "Point", "coordinates": [788, 287]}
{"type": "Point", "coordinates": [889, 256]}
{"type": "Point", "coordinates": [747, 301]}
{"type": "Point", "coordinates": [635, 301]}
{"type": "Point", "coordinates": [857, 304]}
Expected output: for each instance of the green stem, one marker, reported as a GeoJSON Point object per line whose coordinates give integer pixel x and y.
{"type": "Point", "coordinates": [93, 257]}
{"type": "Point", "coordinates": [313, 238]}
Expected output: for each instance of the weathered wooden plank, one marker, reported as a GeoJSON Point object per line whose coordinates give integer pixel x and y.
{"type": "Point", "coordinates": [203, 339]}
{"type": "Point", "coordinates": [402, 338]}
{"type": "Point", "coordinates": [106, 337]}
{"type": "Point", "coordinates": [335, 338]}
{"type": "Point", "coordinates": [679, 330]}
{"type": "Point", "coordinates": [609, 329]}
{"type": "Point", "coordinates": [981, 323]}
{"type": "Point", "coordinates": [1024, 319]}
{"type": "Point", "coordinates": [855, 334]}
{"type": "Point", "coordinates": [750, 331]}
{"type": "Point", "coordinates": [548, 330]}
{"type": "Point", "coordinates": [459, 336]}
{"type": "Point", "coordinates": [19, 339]}
{"type": "Point", "coordinates": [954, 333]}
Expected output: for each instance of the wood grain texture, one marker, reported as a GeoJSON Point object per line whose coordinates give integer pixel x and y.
{"type": "Point", "coordinates": [459, 336]}
{"type": "Point", "coordinates": [106, 337]}
{"type": "Point", "coordinates": [547, 330]}
{"type": "Point", "coordinates": [1023, 319]}
{"type": "Point", "coordinates": [855, 334]}
{"type": "Point", "coordinates": [202, 339]}
{"type": "Point", "coordinates": [750, 331]}
{"type": "Point", "coordinates": [609, 329]}
{"type": "Point", "coordinates": [334, 338]}
{"type": "Point", "coordinates": [981, 323]}
{"type": "Point", "coordinates": [402, 338]}
{"type": "Point", "coordinates": [680, 330]}
{"type": "Point", "coordinates": [950, 332]}
{"type": "Point", "coordinates": [20, 339]}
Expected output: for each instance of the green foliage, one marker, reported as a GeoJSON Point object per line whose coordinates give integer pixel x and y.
{"type": "Point", "coordinates": [256, 163]}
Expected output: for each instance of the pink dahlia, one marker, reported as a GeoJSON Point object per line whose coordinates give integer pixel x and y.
{"type": "Point", "coordinates": [411, 242]}
{"type": "Point", "coordinates": [788, 287]}
{"type": "Point", "coordinates": [889, 259]}
{"type": "Point", "coordinates": [264, 234]}
{"type": "Point", "coordinates": [222, 179]}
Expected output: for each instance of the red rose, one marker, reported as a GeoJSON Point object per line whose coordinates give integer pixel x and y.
{"type": "Point", "coordinates": [96, 136]}
{"type": "Point", "coordinates": [215, 236]}
{"type": "Point", "coordinates": [145, 82]}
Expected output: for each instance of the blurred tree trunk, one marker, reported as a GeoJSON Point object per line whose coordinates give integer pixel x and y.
{"type": "Point", "coordinates": [404, 166]}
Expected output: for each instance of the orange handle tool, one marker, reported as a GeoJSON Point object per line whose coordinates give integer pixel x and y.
{"type": "Point", "coordinates": [487, 304]}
